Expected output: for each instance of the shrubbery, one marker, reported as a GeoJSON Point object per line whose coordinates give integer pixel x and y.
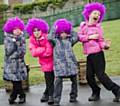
{"type": "Point", "coordinates": [41, 5]}
{"type": "Point", "coordinates": [27, 8]}
{"type": "Point", "coordinates": [4, 7]}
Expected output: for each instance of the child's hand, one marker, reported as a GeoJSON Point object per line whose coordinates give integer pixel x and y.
{"type": "Point", "coordinates": [107, 44]}
{"type": "Point", "coordinates": [92, 37]}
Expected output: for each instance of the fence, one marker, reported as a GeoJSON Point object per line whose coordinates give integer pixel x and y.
{"type": "Point", "coordinates": [74, 15]}
{"type": "Point", "coordinates": [112, 7]}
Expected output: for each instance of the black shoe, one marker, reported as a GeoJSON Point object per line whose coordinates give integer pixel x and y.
{"type": "Point", "coordinates": [56, 104]}
{"type": "Point", "coordinates": [73, 100]}
{"type": "Point", "coordinates": [22, 98]}
{"type": "Point", "coordinates": [94, 97]}
{"type": "Point", "coordinates": [44, 98]}
{"type": "Point", "coordinates": [117, 96]}
{"type": "Point", "coordinates": [50, 100]}
{"type": "Point", "coordinates": [11, 101]}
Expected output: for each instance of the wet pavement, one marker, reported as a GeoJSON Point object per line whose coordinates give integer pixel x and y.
{"type": "Point", "coordinates": [35, 93]}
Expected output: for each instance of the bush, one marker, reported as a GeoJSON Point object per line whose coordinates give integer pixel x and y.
{"type": "Point", "coordinates": [41, 5]}
{"type": "Point", "coordinates": [17, 8]}
{"type": "Point", "coordinates": [26, 8]}
{"type": "Point", "coordinates": [4, 7]}
{"type": "Point", "coordinates": [59, 3]}
{"type": "Point", "coordinates": [20, 8]}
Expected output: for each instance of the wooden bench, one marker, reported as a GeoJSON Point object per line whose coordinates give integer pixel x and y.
{"type": "Point", "coordinates": [81, 71]}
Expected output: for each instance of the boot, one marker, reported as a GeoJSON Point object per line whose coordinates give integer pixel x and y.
{"type": "Point", "coordinates": [22, 98]}
{"type": "Point", "coordinates": [12, 99]}
{"type": "Point", "coordinates": [73, 99]}
{"type": "Point", "coordinates": [44, 98]}
{"type": "Point", "coordinates": [50, 100]}
{"type": "Point", "coordinates": [56, 104]}
{"type": "Point", "coordinates": [95, 96]}
{"type": "Point", "coordinates": [117, 96]}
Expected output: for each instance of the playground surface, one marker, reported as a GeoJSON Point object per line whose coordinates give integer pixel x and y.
{"type": "Point", "coordinates": [35, 93]}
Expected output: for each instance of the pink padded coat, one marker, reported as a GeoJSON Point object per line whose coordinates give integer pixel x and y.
{"type": "Point", "coordinates": [91, 46]}
{"type": "Point", "coordinates": [43, 50]}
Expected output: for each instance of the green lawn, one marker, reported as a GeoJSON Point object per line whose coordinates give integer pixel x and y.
{"type": "Point", "coordinates": [111, 31]}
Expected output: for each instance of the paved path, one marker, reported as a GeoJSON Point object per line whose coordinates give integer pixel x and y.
{"type": "Point", "coordinates": [33, 96]}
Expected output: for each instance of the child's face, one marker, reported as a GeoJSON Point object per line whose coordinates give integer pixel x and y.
{"type": "Point", "coordinates": [17, 32]}
{"type": "Point", "coordinates": [94, 16]}
{"type": "Point", "coordinates": [37, 32]}
{"type": "Point", "coordinates": [63, 35]}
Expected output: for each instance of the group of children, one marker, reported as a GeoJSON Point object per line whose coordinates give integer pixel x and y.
{"type": "Point", "coordinates": [55, 54]}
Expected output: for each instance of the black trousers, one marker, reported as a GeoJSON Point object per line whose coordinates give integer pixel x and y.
{"type": "Point", "coordinates": [59, 85]}
{"type": "Point", "coordinates": [96, 66]}
{"type": "Point", "coordinates": [17, 89]}
{"type": "Point", "coordinates": [49, 80]}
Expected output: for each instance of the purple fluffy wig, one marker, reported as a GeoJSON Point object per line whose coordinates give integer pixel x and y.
{"type": "Point", "coordinates": [13, 23]}
{"type": "Point", "coordinates": [37, 23]}
{"type": "Point", "coordinates": [94, 6]}
{"type": "Point", "coordinates": [63, 25]}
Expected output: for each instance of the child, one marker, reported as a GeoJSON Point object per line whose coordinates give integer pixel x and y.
{"type": "Point", "coordinates": [41, 48]}
{"type": "Point", "coordinates": [14, 64]}
{"type": "Point", "coordinates": [91, 35]}
{"type": "Point", "coordinates": [65, 63]}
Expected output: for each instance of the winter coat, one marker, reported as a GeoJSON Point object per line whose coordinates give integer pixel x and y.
{"type": "Point", "coordinates": [42, 49]}
{"type": "Point", "coordinates": [65, 63]}
{"type": "Point", "coordinates": [91, 46]}
{"type": "Point", "coordinates": [14, 64]}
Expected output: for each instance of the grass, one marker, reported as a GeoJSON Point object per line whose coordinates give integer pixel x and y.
{"type": "Point", "coordinates": [111, 31]}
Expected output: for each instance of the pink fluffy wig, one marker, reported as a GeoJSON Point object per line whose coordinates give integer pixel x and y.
{"type": "Point", "coordinates": [36, 23]}
{"type": "Point", "coordinates": [94, 6]}
{"type": "Point", "coordinates": [13, 23]}
{"type": "Point", "coordinates": [63, 25]}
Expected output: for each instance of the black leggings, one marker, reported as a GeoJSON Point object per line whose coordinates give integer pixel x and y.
{"type": "Point", "coordinates": [49, 80]}
{"type": "Point", "coordinates": [17, 89]}
{"type": "Point", "coordinates": [96, 66]}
